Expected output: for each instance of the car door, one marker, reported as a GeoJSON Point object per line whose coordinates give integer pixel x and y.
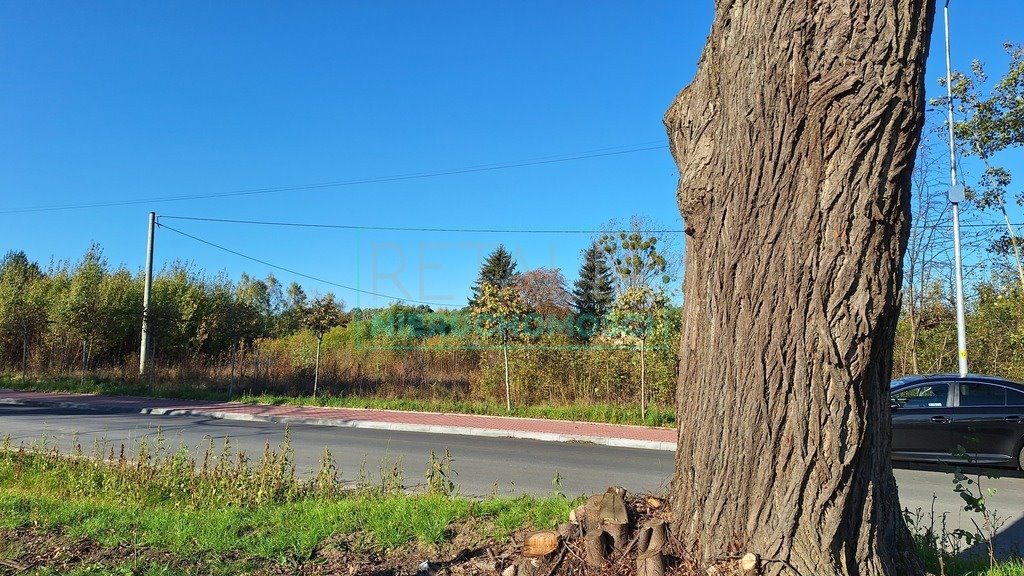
{"type": "Point", "coordinates": [920, 422]}
{"type": "Point", "coordinates": [981, 423]}
{"type": "Point", "coordinates": [1015, 416]}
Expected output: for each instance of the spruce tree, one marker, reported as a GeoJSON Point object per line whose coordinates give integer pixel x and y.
{"type": "Point", "coordinates": [499, 270]}
{"type": "Point", "coordinates": [593, 293]}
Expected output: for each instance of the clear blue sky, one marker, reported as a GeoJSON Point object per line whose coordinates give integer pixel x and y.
{"type": "Point", "coordinates": [111, 102]}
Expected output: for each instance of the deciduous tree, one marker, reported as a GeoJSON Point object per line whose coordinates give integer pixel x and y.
{"type": "Point", "coordinates": [320, 317]}
{"type": "Point", "coordinates": [795, 146]}
{"type": "Point", "coordinates": [635, 315]}
{"type": "Point", "coordinates": [543, 290]}
{"type": "Point", "coordinates": [82, 308]}
{"type": "Point", "coordinates": [500, 312]}
{"type": "Point", "coordinates": [635, 259]}
{"type": "Point", "coordinates": [993, 122]}
{"type": "Point", "coordinates": [22, 302]}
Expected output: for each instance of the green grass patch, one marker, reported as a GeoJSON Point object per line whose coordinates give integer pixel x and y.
{"type": "Point", "coordinates": [603, 413]}
{"type": "Point", "coordinates": [167, 500]}
{"type": "Point", "coordinates": [110, 388]}
{"type": "Point", "coordinates": [276, 531]}
{"type": "Point", "coordinates": [229, 512]}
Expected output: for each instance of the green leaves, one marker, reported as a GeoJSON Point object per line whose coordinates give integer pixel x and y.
{"type": "Point", "coordinates": [500, 313]}
{"type": "Point", "coordinates": [323, 315]}
{"type": "Point", "coordinates": [996, 121]}
{"type": "Point", "coordinates": [637, 312]}
{"type": "Point", "coordinates": [634, 259]}
{"type": "Point", "coordinates": [993, 122]}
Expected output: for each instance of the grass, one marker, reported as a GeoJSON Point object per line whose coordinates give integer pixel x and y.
{"type": "Point", "coordinates": [980, 567]}
{"type": "Point", "coordinates": [945, 552]}
{"type": "Point", "coordinates": [604, 413]}
{"type": "Point", "coordinates": [274, 531]}
{"type": "Point", "coordinates": [231, 512]}
{"type": "Point", "coordinates": [109, 388]}
{"type": "Point", "coordinates": [223, 504]}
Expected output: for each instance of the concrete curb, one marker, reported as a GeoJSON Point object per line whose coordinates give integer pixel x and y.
{"type": "Point", "coordinates": [368, 424]}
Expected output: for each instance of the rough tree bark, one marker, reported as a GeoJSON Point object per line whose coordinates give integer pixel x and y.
{"type": "Point", "coordinates": [795, 146]}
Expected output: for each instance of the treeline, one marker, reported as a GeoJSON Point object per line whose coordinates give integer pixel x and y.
{"type": "Point", "coordinates": [926, 341]}
{"type": "Point", "coordinates": [559, 345]}
{"type": "Point", "coordinates": [524, 338]}
{"type": "Point", "coordinates": [83, 319]}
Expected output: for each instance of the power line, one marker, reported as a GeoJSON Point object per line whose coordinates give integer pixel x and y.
{"type": "Point", "coordinates": [410, 228]}
{"type": "Point", "coordinates": [496, 230]}
{"type": "Point", "coordinates": [943, 226]}
{"type": "Point", "coordinates": [343, 183]}
{"type": "Point", "coordinates": [290, 271]}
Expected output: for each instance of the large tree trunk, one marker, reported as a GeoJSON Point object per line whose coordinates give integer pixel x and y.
{"type": "Point", "coordinates": [795, 144]}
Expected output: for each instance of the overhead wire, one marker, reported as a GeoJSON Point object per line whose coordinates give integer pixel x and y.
{"type": "Point", "coordinates": [600, 153]}
{"type": "Point", "coordinates": [976, 225]}
{"type": "Point", "coordinates": [412, 228]}
{"type": "Point", "coordinates": [493, 230]}
{"type": "Point", "coordinates": [301, 274]}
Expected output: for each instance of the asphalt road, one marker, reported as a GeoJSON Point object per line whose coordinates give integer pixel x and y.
{"type": "Point", "coordinates": [484, 465]}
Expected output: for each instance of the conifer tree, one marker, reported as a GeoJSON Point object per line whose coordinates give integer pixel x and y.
{"type": "Point", "coordinates": [499, 270]}
{"type": "Point", "coordinates": [593, 292]}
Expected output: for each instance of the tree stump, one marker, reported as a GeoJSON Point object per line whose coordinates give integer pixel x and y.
{"type": "Point", "coordinates": [538, 550]}
{"type": "Point", "coordinates": [541, 544]}
{"type": "Point", "coordinates": [650, 543]}
{"type": "Point", "coordinates": [605, 524]}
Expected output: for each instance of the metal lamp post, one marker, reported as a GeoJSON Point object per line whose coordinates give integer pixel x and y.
{"type": "Point", "coordinates": [956, 195]}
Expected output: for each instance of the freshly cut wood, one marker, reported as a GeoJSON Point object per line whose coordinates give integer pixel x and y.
{"type": "Point", "coordinates": [610, 508]}
{"type": "Point", "coordinates": [605, 524]}
{"type": "Point", "coordinates": [750, 564]}
{"type": "Point", "coordinates": [617, 490]}
{"type": "Point", "coordinates": [654, 503]}
{"type": "Point", "coordinates": [578, 515]}
{"type": "Point", "coordinates": [650, 543]}
{"type": "Point", "coordinates": [541, 543]}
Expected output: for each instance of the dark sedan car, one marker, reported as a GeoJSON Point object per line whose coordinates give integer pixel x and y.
{"type": "Point", "coordinates": [948, 418]}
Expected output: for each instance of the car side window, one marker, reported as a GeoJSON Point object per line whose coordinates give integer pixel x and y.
{"type": "Point", "coordinates": [926, 396]}
{"type": "Point", "coordinates": [974, 394]}
{"type": "Point", "coordinates": [1014, 398]}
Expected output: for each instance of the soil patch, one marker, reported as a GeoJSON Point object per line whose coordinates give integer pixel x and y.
{"type": "Point", "coordinates": [27, 550]}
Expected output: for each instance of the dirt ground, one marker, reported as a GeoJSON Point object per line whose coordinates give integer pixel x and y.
{"type": "Point", "coordinates": [30, 550]}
